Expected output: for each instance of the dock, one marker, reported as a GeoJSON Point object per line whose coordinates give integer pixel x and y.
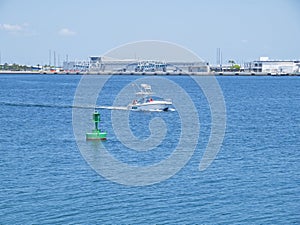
{"type": "Point", "coordinates": [151, 73]}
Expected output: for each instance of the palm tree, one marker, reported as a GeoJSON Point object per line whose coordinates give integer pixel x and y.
{"type": "Point", "coordinates": [231, 61]}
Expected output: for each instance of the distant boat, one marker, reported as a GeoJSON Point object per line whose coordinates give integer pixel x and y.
{"type": "Point", "coordinates": [146, 101]}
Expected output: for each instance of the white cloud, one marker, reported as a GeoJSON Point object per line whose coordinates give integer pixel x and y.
{"type": "Point", "coordinates": [66, 32]}
{"type": "Point", "coordinates": [11, 27]}
{"type": "Point", "coordinates": [18, 29]}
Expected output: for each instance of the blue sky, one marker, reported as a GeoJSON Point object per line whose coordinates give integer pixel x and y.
{"type": "Point", "coordinates": [244, 30]}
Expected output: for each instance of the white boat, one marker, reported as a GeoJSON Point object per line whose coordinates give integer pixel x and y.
{"type": "Point", "coordinates": [147, 102]}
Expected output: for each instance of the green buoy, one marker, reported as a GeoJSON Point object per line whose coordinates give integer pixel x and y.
{"type": "Point", "coordinates": [96, 134]}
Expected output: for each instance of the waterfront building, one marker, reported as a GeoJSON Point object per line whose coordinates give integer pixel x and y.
{"type": "Point", "coordinates": [76, 66]}
{"type": "Point", "coordinates": [199, 66]}
{"type": "Point", "coordinates": [107, 64]}
{"type": "Point", "coordinates": [266, 65]}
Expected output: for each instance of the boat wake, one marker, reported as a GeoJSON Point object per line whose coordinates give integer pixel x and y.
{"type": "Point", "coordinates": [112, 107]}
{"type": "Point", "coordinates": [21, 104]}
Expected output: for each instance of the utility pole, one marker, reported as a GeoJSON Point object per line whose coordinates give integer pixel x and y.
{"type": "Point", "coordinates": [218, 56]}
{"type": "Point", "coordinates": [54, 59]}
{"type": "Point", "coordinates": [221, 61]}
{"type": "Point", "coordinates": [50, 57]}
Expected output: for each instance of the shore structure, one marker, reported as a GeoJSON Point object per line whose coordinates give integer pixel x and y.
{"type": "Point", "coordinates": [151, 73]}
{"type": "Point", "coordinates": [106, 64]}
{"type": "Point", "coordinates": [102, 65]}
{"type": "Point", "coordinates": [273, 67]}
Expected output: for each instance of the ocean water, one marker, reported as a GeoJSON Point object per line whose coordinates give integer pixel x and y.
{"type": "Point", "coordinates": [255, 178]}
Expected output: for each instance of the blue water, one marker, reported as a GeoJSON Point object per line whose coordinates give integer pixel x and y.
{"type": "Point", "coordinates": [255, 178]}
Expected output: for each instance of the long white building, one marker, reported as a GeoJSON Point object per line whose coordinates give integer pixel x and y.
{"type": "Point", "coordinates": [265, 65]}
{"type": "Point", "coordinates": [106, 64]}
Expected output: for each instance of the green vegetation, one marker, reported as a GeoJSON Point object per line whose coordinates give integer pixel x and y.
{"type": "Point", "coordinates": [231, 61]}
{"type": "Point", "coordinates": [18, 67]}
{"type": "Point", "coordinates": [234, 66]}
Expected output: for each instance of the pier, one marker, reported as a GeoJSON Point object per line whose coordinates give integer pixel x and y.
{"type": "Point", "coordinates": [150, 73]}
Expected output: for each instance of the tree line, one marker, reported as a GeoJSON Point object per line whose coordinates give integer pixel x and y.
{"type": "Point", "coordinates": [17, 67]}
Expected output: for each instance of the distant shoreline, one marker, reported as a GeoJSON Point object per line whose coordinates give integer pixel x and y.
{"type": "Point", "coordinates": [149, 73]}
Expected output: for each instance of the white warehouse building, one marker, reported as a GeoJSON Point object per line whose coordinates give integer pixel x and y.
{"type": "Point", "coordinates": [265, 65]}
{"type": "Point", "coordinates": [107, 64]}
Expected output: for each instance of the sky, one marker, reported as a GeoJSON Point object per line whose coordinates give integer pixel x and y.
{"type": "Point", "coordinates": [244, 30]}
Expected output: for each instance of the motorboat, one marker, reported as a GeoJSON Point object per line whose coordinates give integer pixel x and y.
{"type": "Point", "coordinates": [147, 102]}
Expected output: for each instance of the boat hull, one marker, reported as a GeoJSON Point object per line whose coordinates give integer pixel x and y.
{"type": "Point", "coordinates": [151, 106]}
